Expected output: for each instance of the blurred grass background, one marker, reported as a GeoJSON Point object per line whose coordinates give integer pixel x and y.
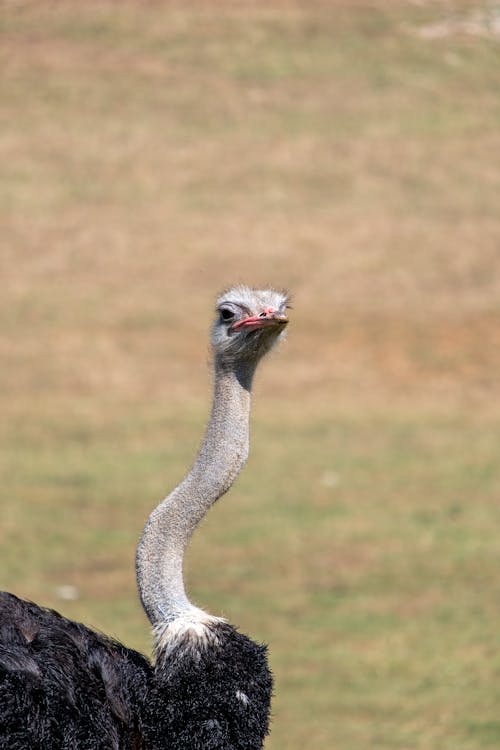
{"type": "Point", "coordinates": [153, 153]}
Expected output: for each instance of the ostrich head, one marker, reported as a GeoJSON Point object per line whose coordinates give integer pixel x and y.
{"type": "Point", "coordinates": [248, 324]}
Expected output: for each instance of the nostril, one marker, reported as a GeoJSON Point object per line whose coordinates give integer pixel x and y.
{"type": "Point", "coordinates": [267, 311]}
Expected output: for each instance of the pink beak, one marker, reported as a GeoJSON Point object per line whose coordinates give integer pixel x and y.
{"type": "Point", "coordinates": [269, 317]}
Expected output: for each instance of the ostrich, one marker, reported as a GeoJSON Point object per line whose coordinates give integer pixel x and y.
{"type": "Point", "coordinates": [66, 687]}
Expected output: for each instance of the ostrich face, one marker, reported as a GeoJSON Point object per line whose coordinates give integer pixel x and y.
{"type": "Point", "coordinates": [249, 322]}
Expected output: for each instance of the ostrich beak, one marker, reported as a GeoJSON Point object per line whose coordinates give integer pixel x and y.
{"type": "Point", "coordinates": [268, 317]}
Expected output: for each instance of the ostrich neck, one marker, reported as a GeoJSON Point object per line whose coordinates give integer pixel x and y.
{"type": "Point", "coordinates": [170, 526]}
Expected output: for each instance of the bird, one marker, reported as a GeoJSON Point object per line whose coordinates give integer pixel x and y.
{"type": "Point", "coordinates": [208, 686]}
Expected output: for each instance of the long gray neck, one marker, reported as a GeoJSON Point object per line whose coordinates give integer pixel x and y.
{"type": "Point", "coordinates": [170, 526]}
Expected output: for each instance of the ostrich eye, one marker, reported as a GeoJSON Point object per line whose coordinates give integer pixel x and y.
{"type": "Point", "coordinates": [226, 314]}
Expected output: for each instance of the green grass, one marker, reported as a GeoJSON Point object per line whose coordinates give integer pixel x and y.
{"type": "Point", "coordinates": [379, 594]}
{"type": "Point", "coordinates": [155, 153]}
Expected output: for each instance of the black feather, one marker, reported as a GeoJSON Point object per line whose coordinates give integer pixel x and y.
{"type": "Point", "coordinates": [65, 687]}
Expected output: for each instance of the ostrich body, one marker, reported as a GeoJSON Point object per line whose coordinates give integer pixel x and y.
{"type": "Point", "coordinates": [65, 687]}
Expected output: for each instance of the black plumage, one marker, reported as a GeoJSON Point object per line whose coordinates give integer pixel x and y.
{"type": "Point", "coordinates": [63, 686]}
